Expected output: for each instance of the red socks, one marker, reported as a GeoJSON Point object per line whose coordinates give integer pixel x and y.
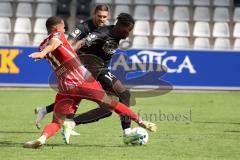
{"type": "Point", "coordinates": [51, 129]}
{"type": "Point", "coordinates": [124, 110]}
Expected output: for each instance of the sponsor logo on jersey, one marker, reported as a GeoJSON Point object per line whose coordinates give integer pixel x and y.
{"type": "Point", "coordinates": [76, 33]}
{"type": "Point", "coordinates": [90, 39]}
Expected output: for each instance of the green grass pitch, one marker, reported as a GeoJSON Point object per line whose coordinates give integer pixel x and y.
{"type": "Point", "coordinates": [191, 126]}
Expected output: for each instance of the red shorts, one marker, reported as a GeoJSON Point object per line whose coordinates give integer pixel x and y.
{"type": "Point", "coordinates": [65, 103]}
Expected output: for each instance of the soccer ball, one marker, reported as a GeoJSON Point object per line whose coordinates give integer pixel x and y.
{"type": "Point", "coordinates": [144, 136]}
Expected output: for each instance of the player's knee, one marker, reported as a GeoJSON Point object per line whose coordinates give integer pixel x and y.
{"type": "Point", "coordinates": [125, 97]}
{"type": "Point", "coordinates": [58, 118]}
{"type": "Point", "coordinates": [106, 101]}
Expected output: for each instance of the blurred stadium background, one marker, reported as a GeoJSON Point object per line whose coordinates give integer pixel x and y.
{"type": "Point", "coordinates": [198, 24]}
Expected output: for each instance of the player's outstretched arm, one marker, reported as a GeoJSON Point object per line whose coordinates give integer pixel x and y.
{"type": "Point", "coordinates": [52, 45]}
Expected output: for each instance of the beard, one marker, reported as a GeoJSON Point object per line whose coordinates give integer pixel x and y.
{"type": "Point", "coordinates": [100, 24]}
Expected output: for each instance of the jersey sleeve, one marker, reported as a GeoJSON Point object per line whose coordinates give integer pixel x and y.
{"type": "Point", "coordinates": [94, 37]}
{"type": "Point", "coordinates": [57, 36]}
{"type": "Point", "coordinates": [78, 33]}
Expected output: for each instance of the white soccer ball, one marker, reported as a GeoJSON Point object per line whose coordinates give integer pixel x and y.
{"type": "Point", "coordinates": [144, 136]}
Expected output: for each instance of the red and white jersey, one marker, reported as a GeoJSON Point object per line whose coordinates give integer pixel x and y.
{"type": "Point", "coordinates": [64, 60]}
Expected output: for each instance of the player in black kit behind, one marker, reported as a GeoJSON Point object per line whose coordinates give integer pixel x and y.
{"type": "Point", "coordinates": [98, 48]}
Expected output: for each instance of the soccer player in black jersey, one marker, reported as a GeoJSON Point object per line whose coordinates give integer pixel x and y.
{"type": "Point", "coordinates": [108, 81]}
{"type": "Point", "coordinates": [102, 44]}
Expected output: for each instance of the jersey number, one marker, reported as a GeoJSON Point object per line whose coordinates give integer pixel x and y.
{"type": "Point", "coordinates": [109, 76]}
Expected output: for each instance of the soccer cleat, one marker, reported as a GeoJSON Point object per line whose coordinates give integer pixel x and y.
{"type": "Point", "coordinates": [74, 133]}
{"type": "Point", "coordinates": [40, 113]}
{"type": "Point", "coordinates": [148, 125]}
{"type": "Point", "coordinates": [33, 144]}
{"type": "Point", "coordinates": [67, 130]}
{"type": "Point", "coordinates": [129, 138]}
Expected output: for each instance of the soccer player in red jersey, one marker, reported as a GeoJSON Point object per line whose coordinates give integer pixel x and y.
{"type": "Point", "coordinates": [74, 83]}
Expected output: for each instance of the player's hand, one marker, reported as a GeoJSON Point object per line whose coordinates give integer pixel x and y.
{"type": "Point", "coordinates": [79, 44]}
{"type": "Point", "coordinates": [36, 55]}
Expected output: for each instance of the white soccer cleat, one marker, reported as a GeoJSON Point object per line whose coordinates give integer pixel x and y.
{"type": "Point", "coordinates": [67, 130]}
{"type": "Point", "coordinates": [74, 133]}
{"type": "Point", "coordinates": [40, 113]}
{"type": "Point", "coordinates": [148, 125]}
{"type": "Point", "coordinates": [33, 144]}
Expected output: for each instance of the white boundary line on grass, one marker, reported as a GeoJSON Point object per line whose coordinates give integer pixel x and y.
{"type": "Point", "coordinates": [217, 88]}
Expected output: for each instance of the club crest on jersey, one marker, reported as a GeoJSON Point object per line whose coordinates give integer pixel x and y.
{"type": "Point", "coordinates": [110, 47]}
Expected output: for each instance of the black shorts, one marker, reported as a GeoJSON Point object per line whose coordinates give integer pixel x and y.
{"type": "Point", "coordinates": [107, 80]}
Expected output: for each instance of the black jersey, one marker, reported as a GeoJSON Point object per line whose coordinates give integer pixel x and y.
{"type": "Point", "coordinates": [82, 30]}
{"type": "Point", "coordinates": [101, 43]}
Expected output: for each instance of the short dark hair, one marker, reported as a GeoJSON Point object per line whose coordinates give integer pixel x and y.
{"type": "Point", "coordinates": [101, 7]}
{"type": "Point", "coordinates": [125, 19]}
{"type": "Point", "coordinates": [51, 22]}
